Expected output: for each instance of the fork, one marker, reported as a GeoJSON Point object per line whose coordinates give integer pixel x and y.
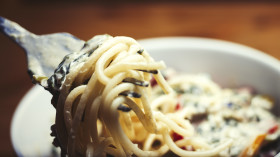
{"type": "Point", "coordinates": [49, 56]}
{"type": "Point", "coordinates": [43, 52]}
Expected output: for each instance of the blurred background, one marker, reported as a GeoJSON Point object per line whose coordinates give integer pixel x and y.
{"type": "Point", "coordinates": [253, 23]}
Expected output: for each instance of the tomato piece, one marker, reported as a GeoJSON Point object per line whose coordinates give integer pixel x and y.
{"type": "Point", "coordinates": [176, 137]}
{"type": "Point", "coordinates": [273, 129]}
{"type": "Point", "coordinates": [153, 82]}
{"type": "Point", "coordinates": [178, 106]}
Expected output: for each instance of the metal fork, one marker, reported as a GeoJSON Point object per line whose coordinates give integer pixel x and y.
{"type": "Point", "coordinates": [44, 52]}
{"type": "Point", "coordinates": [49, 56]}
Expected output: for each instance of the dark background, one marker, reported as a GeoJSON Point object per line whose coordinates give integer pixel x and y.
{"type": "Point", "coordinates": [253, 23]}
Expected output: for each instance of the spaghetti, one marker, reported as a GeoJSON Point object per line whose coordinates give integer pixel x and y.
{"type": "Point", "coordinates": [105, 105]}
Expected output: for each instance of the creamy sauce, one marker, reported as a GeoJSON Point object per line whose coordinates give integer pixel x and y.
{"type": "Point", "coordinates": [72, 61]}
{"type": "Point", "coordinates": [220, 113]}
{"type": "Point", "coordinates": [44, 52]}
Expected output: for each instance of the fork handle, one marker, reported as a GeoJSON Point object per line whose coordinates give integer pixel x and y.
{"type": "Point", "coordinates": [13, 30]}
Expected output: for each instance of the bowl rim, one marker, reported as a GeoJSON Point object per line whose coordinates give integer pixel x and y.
{"type": "Point", "coordinates": [224, 46]}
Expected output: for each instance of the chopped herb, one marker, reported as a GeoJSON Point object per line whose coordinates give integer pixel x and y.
{"type": "Point", "coordinates": [179, 90]}
{"type": "Point", "coordinates": [214, 128]}
{"type": "Point", "coordinates": [149, 71]}
{"type": "Point", "coordinates": [195, 90]}
{"type": "Point", "coordinates": [140, 51]}
{"type": "Point", "coordinates": [85, 45]}
{"type": "Point", "coordinates": [131, 94]}
{"type": "Point", "coordinates": [258, 119]}
{"type": "Point", "coordinates": [123, 108]}
{"type": "Point", "coordinates": [136, 82]}
{"type": "Point", "coordinates": [215, 140]}
{"type": "Point", "coordinates": [231, 121]}
{"type": "Point", "coordinates": [198, 118]}
{"type": "Point", "coordinates": [233, 106]}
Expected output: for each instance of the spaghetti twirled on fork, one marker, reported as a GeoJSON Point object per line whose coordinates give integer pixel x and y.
{"type": "Point", "coordinates": [104, 106]}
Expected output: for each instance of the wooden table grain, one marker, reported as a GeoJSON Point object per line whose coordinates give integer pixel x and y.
{"type": "Point", "coordinates": [252, 24]}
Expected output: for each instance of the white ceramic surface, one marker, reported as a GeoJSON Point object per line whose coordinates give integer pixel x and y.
{"type": "Point", "coordinates": [228, 63]}
{"type": "Point", "coordinates": [30, 129]}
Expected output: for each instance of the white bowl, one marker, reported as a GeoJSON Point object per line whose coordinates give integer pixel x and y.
{"type": "Point", "coordinates": [229, 64]}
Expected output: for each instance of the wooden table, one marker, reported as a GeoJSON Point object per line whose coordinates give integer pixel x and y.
{"type": "Point", "coordinates": [253, 24]}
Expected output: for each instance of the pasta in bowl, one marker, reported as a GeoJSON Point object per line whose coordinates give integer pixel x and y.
{"type": "Point", "coordinates": [116, 100]}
